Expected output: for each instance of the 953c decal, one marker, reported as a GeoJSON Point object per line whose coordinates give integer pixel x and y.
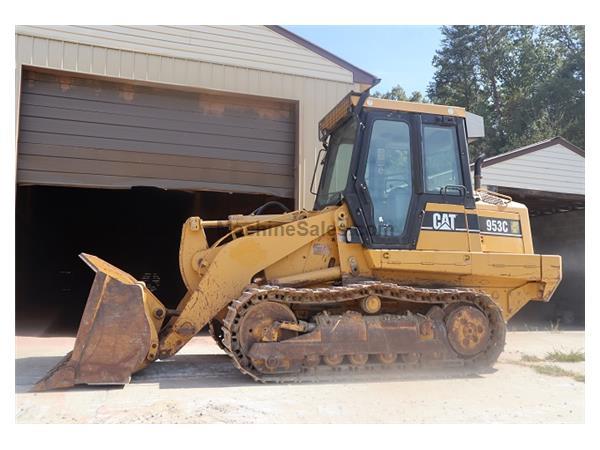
{"type": "Point", "coordinates": [499, 227]}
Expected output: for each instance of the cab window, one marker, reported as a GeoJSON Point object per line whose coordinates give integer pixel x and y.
{"type": "Point", "coordinates": [441, 159]}
{"type": "Point", "coordinates": [388, 176]}
{"type": "Point", "coordinates": [339, 156]}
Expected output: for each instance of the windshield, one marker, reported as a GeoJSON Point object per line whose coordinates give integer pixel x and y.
{"type": "Point", "coordinates": [337, 164]}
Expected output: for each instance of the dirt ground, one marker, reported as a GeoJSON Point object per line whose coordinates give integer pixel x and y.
{"type": "Point", "coordinates": [200, 385]}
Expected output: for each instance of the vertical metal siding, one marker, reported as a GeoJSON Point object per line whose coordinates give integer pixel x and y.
{"type": "Point", "coordinates": [254, 47]}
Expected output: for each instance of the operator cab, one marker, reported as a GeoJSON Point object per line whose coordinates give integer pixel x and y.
{"type": "Point", "coordinates": [388, 159]}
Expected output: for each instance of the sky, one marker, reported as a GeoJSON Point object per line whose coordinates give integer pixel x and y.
{"type": "Point", "coordinates": [397, 54]}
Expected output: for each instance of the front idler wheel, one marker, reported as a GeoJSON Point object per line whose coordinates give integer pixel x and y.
{"type": "Point", "coordinates": [468, 330]}
{"type": "Point", "coordinates": [257, 324]}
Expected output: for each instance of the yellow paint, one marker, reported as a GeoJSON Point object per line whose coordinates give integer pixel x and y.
{"type": "Point", "coordinates": [193, 240]}
{"type": "Point", "coordinates": [445, 208]}
{"type": "Point", "coordinates": [313, 243]}
{"type": "Point", "coordinates": [506, 244]}
{"type": "Point", "coordinates": [308, 278]}
{"type": "Point", "coordinates": [397, 105]}
{"type": "Point", "coordinates": [443, 240]}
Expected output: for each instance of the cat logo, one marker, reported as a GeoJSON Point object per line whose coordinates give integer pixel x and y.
{"type": "Point", "coordinates": [444, 221]}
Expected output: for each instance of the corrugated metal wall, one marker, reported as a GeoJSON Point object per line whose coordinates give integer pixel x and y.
{"type": "Point", "coordinates": [254, 47]}
{"type": "Point", "coordinates": [91, 133]}
{"type": "Point", "coordinates": [290, 72]}
{"type": "Point", "coordinates": [552, 169]}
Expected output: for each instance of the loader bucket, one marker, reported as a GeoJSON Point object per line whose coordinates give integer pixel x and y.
{"type": "Point", "coordinates": [118, 333]}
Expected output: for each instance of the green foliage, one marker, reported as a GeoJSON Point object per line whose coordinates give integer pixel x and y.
{"type": "Point", "coordinates": [398, 93]}
{"type": "Point", "coordinates": [556, 371]}
{"type": "Point", "coordinates": [530, 358]}
{"type": "Point", "coordinates": [572, 356]}
{"type": "Point", "coordinates": [556, 356]}
{"type": "Point", "coordinates": [526, 81]}
{"type": "Point", "coordinates": [579, 377]}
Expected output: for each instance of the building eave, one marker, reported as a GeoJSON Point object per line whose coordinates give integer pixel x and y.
{"type": "Point", "coordinates": [532, 148]}
{"type": "Point", "coordinates": [359, 75]}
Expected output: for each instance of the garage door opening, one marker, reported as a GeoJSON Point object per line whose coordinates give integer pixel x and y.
{"type": "Point", "coordinates": [137, 230]}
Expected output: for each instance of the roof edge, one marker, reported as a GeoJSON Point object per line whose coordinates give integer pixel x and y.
{"type": "Point", "coordinates": [359, 75]}
{"type": "Point", "coordinates": [532, 148]}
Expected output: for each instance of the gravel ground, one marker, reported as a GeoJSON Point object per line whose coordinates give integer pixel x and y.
{"type": "Point", "coordinates": [200, 385]}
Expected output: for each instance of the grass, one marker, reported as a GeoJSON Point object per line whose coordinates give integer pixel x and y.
{"type": "Point", "coordinates": [556, 371]}
{"type": "Point", "coordinates": [552, 369]}
{"type": "Point", "coordinates": [572, 356]}
{"type": "Point", "coordinates": [556, 356]}
{"type": "Point", "coordinates": [530, 358]}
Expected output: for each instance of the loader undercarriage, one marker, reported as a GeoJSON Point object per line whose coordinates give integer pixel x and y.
{"type": "Point", "coordinates": [461, 328]}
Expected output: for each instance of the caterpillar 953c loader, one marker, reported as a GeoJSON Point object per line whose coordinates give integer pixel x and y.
{"type": "Point", "coordinates": [401, 264]}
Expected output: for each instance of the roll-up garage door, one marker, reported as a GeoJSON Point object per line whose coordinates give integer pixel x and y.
{"type": "Point", "coordinates": [87, 132]}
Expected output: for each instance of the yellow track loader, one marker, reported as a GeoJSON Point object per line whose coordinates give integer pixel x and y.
{"type": "Point", "coordinates": [402, 264]}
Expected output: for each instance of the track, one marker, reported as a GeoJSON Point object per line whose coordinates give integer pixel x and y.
{"type": "Point", "coordinates": [216, 332]}
{"type": "Point", "coordinates": [324, 298]}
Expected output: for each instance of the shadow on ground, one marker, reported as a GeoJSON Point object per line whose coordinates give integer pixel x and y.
{"type": "Point", "coordinates": [179, 372]}
{"type": "Point", "coordinates": [203, 371]}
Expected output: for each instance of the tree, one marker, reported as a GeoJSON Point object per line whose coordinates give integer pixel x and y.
{"type": "Point", "coordinates": [398, 93]}
{"type": "Point", "coordinates": [562, 96]}
{"type": "Point", "coordinates": [454, 81]}
{"type": "Point", "coordinates": [527, 82]}
{"type": "Point", "coordinates": [416, 96]}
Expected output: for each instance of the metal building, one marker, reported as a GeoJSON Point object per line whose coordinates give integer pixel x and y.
{"type": "Point", "coordinates": [124, 131]}
{"type": "Point", "coordinates": [194, 107]}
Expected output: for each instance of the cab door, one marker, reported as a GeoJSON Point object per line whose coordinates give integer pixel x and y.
{"type": "Point", "coordinates": [414, 170]}
{"type": "Point", "coordinates": [385, 184]}
{"type": "Point", "coordinates": [447, 193]}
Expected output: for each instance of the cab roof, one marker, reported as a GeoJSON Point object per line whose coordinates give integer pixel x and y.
{"type": "Point", "coordinates": [344, 108]}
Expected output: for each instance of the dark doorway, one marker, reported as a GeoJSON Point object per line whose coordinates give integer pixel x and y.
{"type": "Point", "coordinates": [137, 230]}
{"type": "Point", "coordinates": [559, 234]}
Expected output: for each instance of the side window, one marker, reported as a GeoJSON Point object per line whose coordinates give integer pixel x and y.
{"type": "Point", "coordinates": [339, 156]}
{"type": "Point", "coordinates": [441, 159]}
{"type": "Point", "coordinates": [341, 167]}
{"type": "Point", "coordinates": [388, 176]}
